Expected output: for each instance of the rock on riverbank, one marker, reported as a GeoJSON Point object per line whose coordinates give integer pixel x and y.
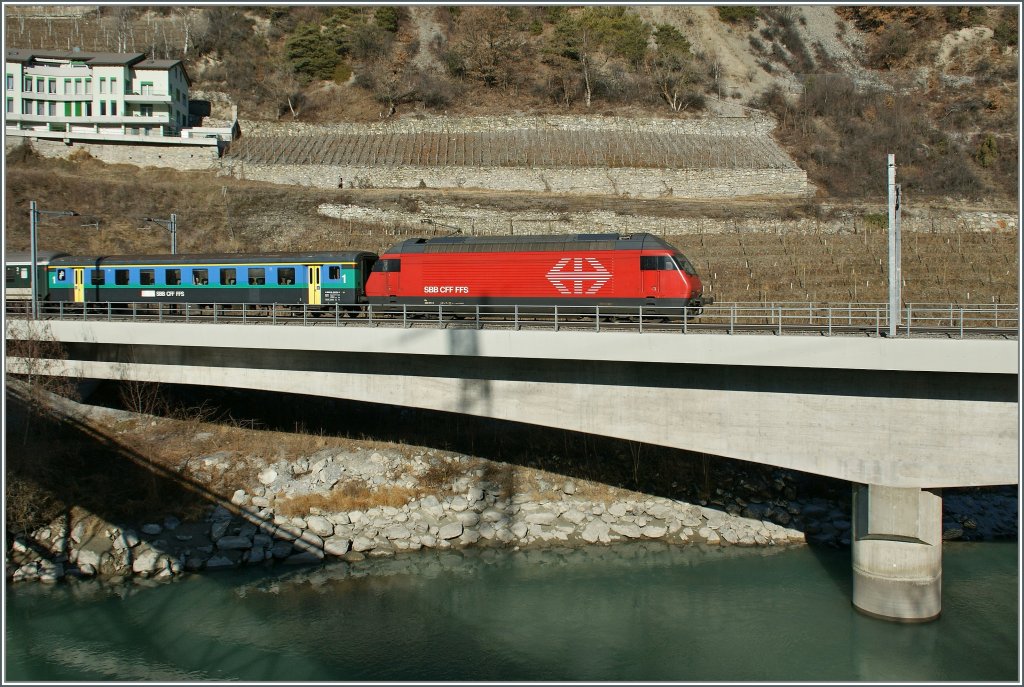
{"type": "Point", "coordinates": [257, 525]}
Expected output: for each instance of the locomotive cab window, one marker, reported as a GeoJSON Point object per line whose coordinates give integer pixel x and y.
{"type": "Point", "coordinates": [388, 265]}
{"type": "Point", "coordinates": [257, 276]}
{"type": "Point", "coordinates": [684, 264]}
{"type": "Point", "coordinates": [227, 276]}
{"type": "Point", "coordinates": [200, 277]}
{"type": "Point", "coordinates": [121, 277]}
{"type": "Point", "coordinates": [172, 277]}
{"type": "Point", "coordinates": [98, 277]}
{"type": "Point", "coordinates": [147, 277]}
{"type": "Point", "coordinates": [286, 275]}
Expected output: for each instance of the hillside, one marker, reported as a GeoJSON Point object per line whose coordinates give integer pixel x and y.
{"type": "Point", "coordinates": [936, 85]}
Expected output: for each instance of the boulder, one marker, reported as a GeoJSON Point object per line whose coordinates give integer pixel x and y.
{"type": "Point", "coordinates": [320, 525]}
{"type": "Point", "coordinates": [267, 476]}
{"type": "Point", "coordinates": [595, 530]}
{"type": "Point", "coordinates": [450, 530]}
{"type": "Point", "coordinates": [234, 543]}
{"type": "Point", "coordinates": [336, 546]}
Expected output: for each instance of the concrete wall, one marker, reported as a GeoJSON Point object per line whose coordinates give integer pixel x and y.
{"type": "Point", "coordinates": [902, 413]}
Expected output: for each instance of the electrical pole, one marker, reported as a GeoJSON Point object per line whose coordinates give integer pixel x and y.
{"type": "Point", "coordinates": [895, 249]}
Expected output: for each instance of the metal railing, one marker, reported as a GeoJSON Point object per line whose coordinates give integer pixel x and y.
{"type": "Point", "coordinates": [732, 318]}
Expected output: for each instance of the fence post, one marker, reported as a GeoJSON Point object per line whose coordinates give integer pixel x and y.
{"type": "Point", "coordinates": [516, 317]}
{"type": "Point", "coordinates": [478, 325]}
{"type": "Point", "coordinates": [641, 319]}
{"type": "Point", "coordinates": [908, 319]}
{"type": "Point", "coordinates": [556, 318]}
{"type": "Point", "coordinates": [961, 323]}
{"type": "Point", "coordinates": [597, 318]}
{"type": "Point", "coordinates": [830, 321]}
{"type": "Point", "coordinates": [732, 318]}
{"type": "Point", "coordinates": [685, 313]}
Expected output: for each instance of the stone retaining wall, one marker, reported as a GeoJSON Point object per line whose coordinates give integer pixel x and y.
{"type": "Point", "coordinates": [179, 157]}
{"type": "Point", "coordinates": [840, 220]}
{"type": "Point", "coordinates": [635, 183]}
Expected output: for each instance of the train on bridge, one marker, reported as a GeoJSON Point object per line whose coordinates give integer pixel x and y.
{"type": "Point", "coordinates": [600, 270]}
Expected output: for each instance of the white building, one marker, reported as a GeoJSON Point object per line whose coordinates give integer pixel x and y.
{"type": "Point", "coordinates": [107, 95]}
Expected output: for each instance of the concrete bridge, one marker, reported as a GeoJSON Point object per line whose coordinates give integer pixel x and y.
{"type": "Point", "coordinates": [899, 418]}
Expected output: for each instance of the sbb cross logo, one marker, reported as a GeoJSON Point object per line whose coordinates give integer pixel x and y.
{"type": "Point", "coordinates": [571, 275]}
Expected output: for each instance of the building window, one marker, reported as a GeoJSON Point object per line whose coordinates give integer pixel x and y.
{"type": "Point", "coordinates": [113, 85]}
{"type": "Point", "coordinates": [40, 87]}
{"type": "Point", "coordinates": [27, 85]}
{"type": "Point", "coordinates": [26, 107]}
{"type": "Point", "coordinates": [88, 86]}
{"type": "Point", "coordinates": [113, 108]}
{"type": "Point", "coordinates": [67, 109]}
{"type": "Point", "coordinates": [10, 82]}
{"type": "Point", "coordinates": [52, 109]}
{"type": "Point", "coordinates": [88, 109]}
{"type": "Point", "coordinates": [103, 108]}
{"type": "Point", "coordinates": [78, 86]}
{"type": "Point", "coordinates": [52, 86]}
{"type": "Point", "coordinates": [147, 88]}
{"type": "Point", "coordinates": [103, 84]}
{"type": "Point", "coordinates": [10, 105]}
{"type": "Point", "coordinates": [67, 86]}
{"type": "Point", "coordinates": [146, 110]}
{"type": "Point", "coordinates": [40, 107]}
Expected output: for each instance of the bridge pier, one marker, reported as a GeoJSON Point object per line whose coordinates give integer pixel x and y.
{"type": "Point", "coordinates": [897, 552]}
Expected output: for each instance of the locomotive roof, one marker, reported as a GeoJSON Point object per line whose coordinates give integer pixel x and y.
{"type": "Point", "coordinates": [215, 258]}
{"type": "Point", "coordinates": [537, 242]}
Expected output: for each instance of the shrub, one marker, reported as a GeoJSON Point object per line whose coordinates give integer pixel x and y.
{"type": "Point", "coordinates": [738, 14]}
{"type": "Point", "coordinates": [987, 151]}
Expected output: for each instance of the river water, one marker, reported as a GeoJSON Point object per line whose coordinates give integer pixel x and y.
{"type": "Point", "coordinates": [637, 612]}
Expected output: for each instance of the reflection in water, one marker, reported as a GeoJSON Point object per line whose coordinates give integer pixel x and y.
{"type": "Point", "coordinates": [631, 612]}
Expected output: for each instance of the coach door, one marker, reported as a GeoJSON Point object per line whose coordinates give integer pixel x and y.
{"type": "Point", "coordinates": [79, 285]}
{"type": "Point", "coordinates": [314, 284]}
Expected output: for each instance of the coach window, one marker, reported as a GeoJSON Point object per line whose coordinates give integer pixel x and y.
{"type": "Point", "coordinates": [121, 277]}
{"type": "Point", "coordinates": [334, 272]}
{"type": "Point", "coordinates": [227, 276]}
{"type": "Point", "coordinates": [200, 277]}
{"type": "Point", "coordinates": [257, 276]}
{"type": "Point", "coordinates": [12, 273]}
{"type": "Point", "coordinates": [99, 278]}
{"type": "Point", "coordinates": [147, 277]}
{"type": "Point", "coordinates": [286, 275]}
{"type": "Point", "coordinates": [172, 277]}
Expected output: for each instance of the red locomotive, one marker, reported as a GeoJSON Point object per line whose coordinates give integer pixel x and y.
{"type": "Point", "coordinates": [583, 269]}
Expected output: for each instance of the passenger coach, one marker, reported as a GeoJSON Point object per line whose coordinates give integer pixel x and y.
{"type": "Point", "coordinates": [585, 269]}
{"type": "Point", "coordinates": [322, 278]}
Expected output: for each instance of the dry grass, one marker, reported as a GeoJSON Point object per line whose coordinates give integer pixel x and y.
{"type": "Point", "coordinates": [348, 497]}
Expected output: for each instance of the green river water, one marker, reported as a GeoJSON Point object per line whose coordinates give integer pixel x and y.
{"type": "Point", "coordinates": [638, 612]}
